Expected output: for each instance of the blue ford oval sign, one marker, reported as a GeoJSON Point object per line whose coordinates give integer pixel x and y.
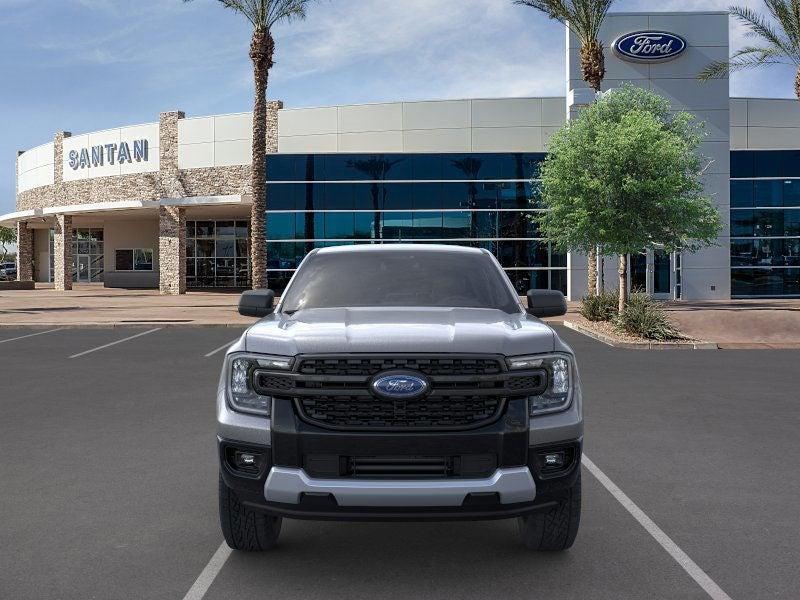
{"type": "Point", "coordinates": [399, 386]}
{"type": "Point", "coordinates": [649, 46]}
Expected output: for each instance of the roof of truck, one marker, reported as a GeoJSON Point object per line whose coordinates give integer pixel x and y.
{"type": "Point", "coordinates": [391, 247]}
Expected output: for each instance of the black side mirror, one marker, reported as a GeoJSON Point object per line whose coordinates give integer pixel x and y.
{"type": "Point", "coordinates": [546, 303]}
{"type": "Point", "coordinates": [256, 303]}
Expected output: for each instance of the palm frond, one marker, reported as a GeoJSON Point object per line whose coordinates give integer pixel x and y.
{"type": "Point", "coordinates": [745, 58]}
{"type": "Point", "coordinates": [759, 26]}
{"type": "Point", "coordinates": [583, 17]}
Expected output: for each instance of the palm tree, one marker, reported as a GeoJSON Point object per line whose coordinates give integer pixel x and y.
{"type": "Point", "coordinates": [780, 41]}
{"type": "Point", "coordinates": [263, 15]}
{"type": "Point", "coordinates": [584, 19]}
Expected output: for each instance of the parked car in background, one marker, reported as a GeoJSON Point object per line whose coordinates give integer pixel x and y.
{"type": "Point", "coordinates": [8, 271]}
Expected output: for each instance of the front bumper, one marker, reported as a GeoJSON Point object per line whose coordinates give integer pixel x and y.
{"type": "Point", "coordinates": [288, 485]}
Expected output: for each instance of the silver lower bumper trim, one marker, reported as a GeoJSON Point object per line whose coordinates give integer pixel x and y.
{"type": "Point", "coordinates": [287, 485]}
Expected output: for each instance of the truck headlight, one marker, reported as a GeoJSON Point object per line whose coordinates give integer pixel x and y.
{"type": "Point", "coordinates": [560, 382]}
{"type": "Point", "coordinates": [241, 395]}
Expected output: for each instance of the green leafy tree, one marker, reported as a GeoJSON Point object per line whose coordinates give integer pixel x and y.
{"type": "Point", "coordinates": [778, 40]}
{"type": "Point", "coordinates": [626, 174]}
{"type": "Point", "coordinates": [263, 15]}
{"type": "Point", "coordinates": [584, 19]}
{"type": "Point", "coordinates": [8, 236]}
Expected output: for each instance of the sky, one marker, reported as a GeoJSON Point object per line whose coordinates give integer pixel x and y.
{"type": "Point", "coordinates": [86, 65]}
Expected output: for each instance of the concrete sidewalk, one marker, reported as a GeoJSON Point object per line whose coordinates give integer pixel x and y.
{"type": "Point", "coordinates": [733, 324]}
{"type": "Point", "coordinates": [92, 305]}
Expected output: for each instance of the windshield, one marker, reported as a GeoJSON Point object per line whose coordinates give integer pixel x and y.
{"type": "Point", "coordinates": [400, 278]}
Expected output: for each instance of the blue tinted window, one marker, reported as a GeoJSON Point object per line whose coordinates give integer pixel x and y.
{"type": "Point", "coordinates": [367, 196]}
{"type": "Point", "coordinates": [397, 225]}
{"type": "Point", "coordinates": [457, 225]}
{"type": "Point", "coordinates": [282, 255]}
{"type": "Point", "coordinates": [791, 192]}
{"type": "Point", "coordinates": [768, 163]}
{"type": "Point", "coordinates": [339, 225]}
{"type": "Point", "coordinates": [456, 195]}
{"type": "Point", "coordinates": [397, 196]}
{"type": "Point", "coordinates": [339, 196]}
{"type": "Point", "coordinates": [765, 282]}
{"type": "Point", "coordinates": [280, 226]}
{"type": "Point", "coordinates": [485, 224]}
{"type": "Point", "coordinates": [742, 223]}
{"type": "Point", "coordinates": [426, 166]}
{"type": "Point", "coordinates": [281, 196]}
{"type": "Point", "coordinates": [768, 193]}
{"type": "Point", "coordinates": [427, 225]}
{"type": "Point", "coordinates": [281, 167]}
{"type": "Point", "coordinates": [741, 194]}
{"type": "Point", "coordinates": [426, 195]}
{"type": "Point", "coordinates": [742, 164]}
{"type": "Point", "coordinates": [365, 225]}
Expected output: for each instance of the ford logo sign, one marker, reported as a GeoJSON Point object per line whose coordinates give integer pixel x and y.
{"type": "Point", "coordinates": [649, 46]}
{"type": "Point", "coordinates": [399, 386]}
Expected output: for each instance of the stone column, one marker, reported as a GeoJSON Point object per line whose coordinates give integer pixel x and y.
{"type": "Point", "coordinates": [171, 250]}
{"type": "Point", "coordinates": [62, 250]}
{"type": "Point", "coordinates": [24, 252]}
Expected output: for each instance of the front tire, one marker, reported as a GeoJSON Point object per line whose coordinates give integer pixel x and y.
{"type": "Point", "coordinates": [554, 529]}
{"type": "Point", "coordinates": [244, 528]}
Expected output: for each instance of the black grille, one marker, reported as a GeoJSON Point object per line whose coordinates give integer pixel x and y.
{"type": "Point", "coordinates": [466, 391]}
{"type": "Point", "coordinates": [447, 412]}
{"type": "Point", "coordinates": [371, 366]}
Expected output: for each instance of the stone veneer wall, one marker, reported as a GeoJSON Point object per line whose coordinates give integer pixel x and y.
{"type": "Point", "coordinates": [24, 252]}
{"type": "Point", "coordinates": [169, 182]}
{"type": "Point", "coordinates": [62, 251]}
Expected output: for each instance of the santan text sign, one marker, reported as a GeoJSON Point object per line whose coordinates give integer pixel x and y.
{"type": "Point", "coordinates": [97, 156]}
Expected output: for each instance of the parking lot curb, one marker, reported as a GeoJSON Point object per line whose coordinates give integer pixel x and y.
{"type": "Point", "coordinates": [640, 345]}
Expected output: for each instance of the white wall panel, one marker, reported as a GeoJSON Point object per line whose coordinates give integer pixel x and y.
{"type": "Point", "coordinates": [446, 114]}
{"type": "Point", "coordinates": [554, 111]}
{"type": "Point", "coordinates": [195, 156]}
{"type": "Point", "coordinates": [508, 112]}
{"type": "Point", "coordinates": [308, 121]}
{"type": "Point", "coordinates": [739, 138]}
{"type": "Point", "coordinates": [233, 127]}
{"type": "Point", "coordinates": [738, 112]}
{"type": "Point", "coordinates": [370, 117]}
{"type": "Point", "coordinates": [437, 140]}
{"type": "Point", "coordinates": [717, 124]}
{"type": "Point", "coordinates": [510, 139]}
{"type": "Point", "coordinates": [766, 138]}
{"type": "Point", "coordinates": [371, 141]}
{"type": "Point", "coordinates": [299, 144]}
{"type": "Point", "coordinates": [196, 131]}
{"type": "Point", "coordinates": [698, 29]}
{"type": "Point", "coordinates": [773, 113]}
{"type": "Point", "coordinates": [233, 152]}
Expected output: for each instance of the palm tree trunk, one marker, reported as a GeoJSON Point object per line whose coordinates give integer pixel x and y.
{"type": "Point", "coordinates": [623, 282]}
{"type": "Point", "coordinates": [261, 51]}
{"type": "Point", "coordinates": [797, 84]}
{"type": "Point", "coordinates": [593, 70]}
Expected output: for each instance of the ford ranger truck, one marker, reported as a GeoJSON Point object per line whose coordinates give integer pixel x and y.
{"type": "Point", "coordinates": [400, 382]}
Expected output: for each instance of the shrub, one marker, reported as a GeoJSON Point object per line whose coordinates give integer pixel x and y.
{"type": "Point", "coordinates": [601, 307]}
{"type": "Point", "coordinates": [644, 317]}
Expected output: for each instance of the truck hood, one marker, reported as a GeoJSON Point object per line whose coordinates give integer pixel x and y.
{"type": "Point", "coordinates": [344, 330]}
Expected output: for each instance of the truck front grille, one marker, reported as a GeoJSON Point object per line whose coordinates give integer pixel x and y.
{"type": "Point", "coordinates": [445, 412]}
{"type": "Point", "coordinates": [466, 391]}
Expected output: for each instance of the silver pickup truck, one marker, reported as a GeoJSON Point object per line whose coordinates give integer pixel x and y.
{"type": "Point", "coordinates": [400, 382]}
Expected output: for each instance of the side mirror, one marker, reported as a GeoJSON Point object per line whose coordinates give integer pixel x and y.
{"type": "Point", "coordinates": [546, 303]}
{"type": "Point", "coordinates": [256, 303]}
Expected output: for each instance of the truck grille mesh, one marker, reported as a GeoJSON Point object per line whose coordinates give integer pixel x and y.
{"type": "Point", "coordinates": [446, 412]}
{"type": "Point", "coordinates": [371, 366]}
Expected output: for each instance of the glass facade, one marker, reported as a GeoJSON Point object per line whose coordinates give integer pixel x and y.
{"type": "Point", "coordinates": [479, 200]}
{"type": "Point", "coordinates": [765, 223]}
{"type": "Point", "coordinates": [218, 254]}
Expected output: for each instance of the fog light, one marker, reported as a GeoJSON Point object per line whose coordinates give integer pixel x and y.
{"type": "Point", "coordinates": [249, 462]}
{"type": "Point", "coordinates": [554, 459]}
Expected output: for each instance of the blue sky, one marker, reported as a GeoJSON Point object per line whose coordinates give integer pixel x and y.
{"type": "Point", "coordinates": [84, 65]}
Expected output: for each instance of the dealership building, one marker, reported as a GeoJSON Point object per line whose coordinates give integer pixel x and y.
{"type": "Point", "coordinates": [167, 204]}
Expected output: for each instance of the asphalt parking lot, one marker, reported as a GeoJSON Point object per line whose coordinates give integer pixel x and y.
{"type": "Point", "coordinates": [108, 483]}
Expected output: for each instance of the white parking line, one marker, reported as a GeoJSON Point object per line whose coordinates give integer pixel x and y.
{"type": "Point", "coordinates": [209, 574]}
{"type": "Point", "coordinates": [115, 343]}
{"type": "Point", "coordinates": [695, 572]}
{"type": "Point", "coordinates": [221, 348]}
{"type": "Point", "coordinates": [22, 337]}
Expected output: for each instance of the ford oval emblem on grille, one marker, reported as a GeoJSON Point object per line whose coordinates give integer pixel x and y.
{"type": "Point", "coordinates": [399, 386]}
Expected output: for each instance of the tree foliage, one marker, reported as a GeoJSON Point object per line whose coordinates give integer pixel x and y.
{"type": "Point", "coordinates": [8, 236]}
{"type": "Point", "coordinates": [626, 175]}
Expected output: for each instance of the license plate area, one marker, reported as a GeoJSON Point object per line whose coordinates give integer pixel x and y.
{"type": "Point", "coordinates": [332, 466]}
